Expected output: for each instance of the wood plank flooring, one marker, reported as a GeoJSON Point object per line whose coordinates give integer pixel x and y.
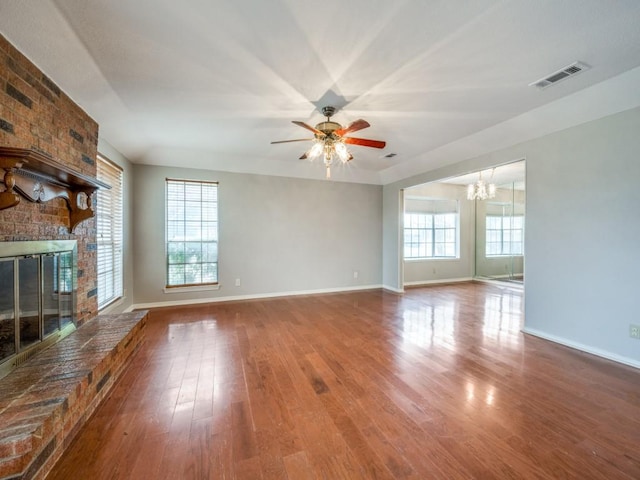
{"type": "Point", "coordinates": [438, 383]}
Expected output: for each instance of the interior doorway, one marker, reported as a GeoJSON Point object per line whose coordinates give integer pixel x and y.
{"type": "Point", "coordinates": [467, 227]}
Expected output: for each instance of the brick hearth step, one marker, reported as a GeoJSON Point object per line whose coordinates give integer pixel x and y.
{"type": "Point", "coordinates": [45, 401]}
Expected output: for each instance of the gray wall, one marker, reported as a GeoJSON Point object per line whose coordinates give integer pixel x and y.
{"type": "Point", "coordinates": [583, 259]}
{"type": "Point", "coordinates": [432, 270]}
{"type": "Point", "coordinates": [107, 151]}
{"type": "Point", "coordinates": [582, 231]}
{"type": "Point", "coordinates": [277, 235]}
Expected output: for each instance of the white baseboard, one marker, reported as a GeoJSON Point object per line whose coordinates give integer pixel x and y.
{"type": "Point", "coordinates": [583, 348]}
{"type": "Point", "coordinates": [173, 303]}
{"type": "Point", "coordinates": [502, 284]}
{"type": "Point", "coordinates": [505, 275]}
{"type": "Point", "coordinates": [434, 282]}
{"type": "Point", "coordinates": [393, 289]}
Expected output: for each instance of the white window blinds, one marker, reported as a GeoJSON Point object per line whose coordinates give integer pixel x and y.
{"type": "Point", "coordinates": [192, 233]}
{"type": "Point", "coordinates": [109, 232]}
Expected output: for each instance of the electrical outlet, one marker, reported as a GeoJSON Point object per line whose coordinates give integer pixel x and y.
{"type": "Point", "coordinates": [634, 331]}
{"type": "Point", "coordinates": [237, 282]}
{"type": "Point", "coordinates": [355, 274]}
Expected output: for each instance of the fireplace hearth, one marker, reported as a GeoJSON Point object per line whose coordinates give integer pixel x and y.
{"type": "Point", "coordinates": [38, 284]}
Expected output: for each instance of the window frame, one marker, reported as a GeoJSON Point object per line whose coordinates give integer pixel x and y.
{"type": "Point", "coordinates": [429, 231]}
{"type": "Point", "coordinates": [169, 287]}
{"type": "Point", "coordinates": [510, 242]}
{"type": "Point", "coordinates": [113, 175]}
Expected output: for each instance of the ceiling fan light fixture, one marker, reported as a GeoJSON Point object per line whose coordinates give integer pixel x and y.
{"type": "Point", "coordinates": [341, 151]}
{"type": "Point", "coordinates": [331, 141]}
{"type": "Point", "coordinates": [315, 150]}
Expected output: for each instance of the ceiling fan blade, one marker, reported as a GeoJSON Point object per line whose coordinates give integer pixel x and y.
{"type": "Point", "coordinates": [297, 140]}
{"type": "Point", "coordinates": [352, 127]}
{"type": "Point", "coordinates": [304, 156]}
{"type": "Point", "coordinates": [364, 142]}
{"type": "Point", "coordinates": [308, 127]}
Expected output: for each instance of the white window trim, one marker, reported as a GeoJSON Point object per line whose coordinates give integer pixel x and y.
{"type": "Point", "coordinates": [193, 287]}
{"type": "Point", "coordinates": [503, 255]}
{"type": "Point", "coordinates": [456, 256]}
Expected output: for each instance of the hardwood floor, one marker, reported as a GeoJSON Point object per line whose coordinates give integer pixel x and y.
{"type": "Point", "coordinates": [436, 384]}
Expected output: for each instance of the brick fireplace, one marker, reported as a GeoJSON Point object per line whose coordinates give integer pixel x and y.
{"type": "Point", "coordinates": [35, 114]}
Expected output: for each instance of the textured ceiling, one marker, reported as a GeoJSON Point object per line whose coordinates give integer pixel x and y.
{"type": "Point", "coordinates": [208, 84]}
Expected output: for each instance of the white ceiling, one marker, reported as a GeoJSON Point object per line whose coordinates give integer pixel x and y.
{"type": "Point", "coordinates": [208, 84]}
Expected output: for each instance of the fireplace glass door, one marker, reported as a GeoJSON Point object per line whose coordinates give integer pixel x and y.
{"type": "Point", "coordinates": [64, 287]}
{"type": "Point", "coordinates": [50, 296]}
{"type": "Point", "coordinates": [37, 299]}
{"type": "Point", "coordinates": [7, 309]}
{"type": "Point", "coordinates": [29, 300]}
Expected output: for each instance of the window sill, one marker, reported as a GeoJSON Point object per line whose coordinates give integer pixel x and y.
{"type": "Point", "coordinates": [116, 302]}
{"type": "Point", "coordinates": [191, 288]}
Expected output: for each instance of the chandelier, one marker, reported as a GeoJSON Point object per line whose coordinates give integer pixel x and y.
{"type": "Point", "coordinates": [481, 190]}
{"type": "Point", "coordinates": [330, 149]}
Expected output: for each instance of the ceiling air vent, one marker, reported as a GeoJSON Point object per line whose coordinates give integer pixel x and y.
{"type": "Point", "coordinates": [555, 77]}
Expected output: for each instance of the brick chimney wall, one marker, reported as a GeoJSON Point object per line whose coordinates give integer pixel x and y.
{"type": "Point", "coordinates": [35, 113]}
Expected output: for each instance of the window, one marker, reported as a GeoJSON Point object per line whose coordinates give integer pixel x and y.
{"type": "Point", "coordinates": [431, 229]}
{"type": "Point", "coordinates": [192, 233]}
{"type": "Point", "coordinates": [109, 233]}
{"type": "Point", "coordinates": [504, 235]}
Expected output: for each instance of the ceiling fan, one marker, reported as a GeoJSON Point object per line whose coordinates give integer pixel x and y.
{"type": "Point", "coordinates": [330, 141]}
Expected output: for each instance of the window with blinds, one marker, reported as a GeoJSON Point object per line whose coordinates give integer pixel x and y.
{"type": "Point", "coordinates": [109, 233]}
{"type": "Point", "coordinates": [191, 233]}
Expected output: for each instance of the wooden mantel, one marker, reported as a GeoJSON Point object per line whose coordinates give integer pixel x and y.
{"type": "Point", "coordinates": [39, 178]}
